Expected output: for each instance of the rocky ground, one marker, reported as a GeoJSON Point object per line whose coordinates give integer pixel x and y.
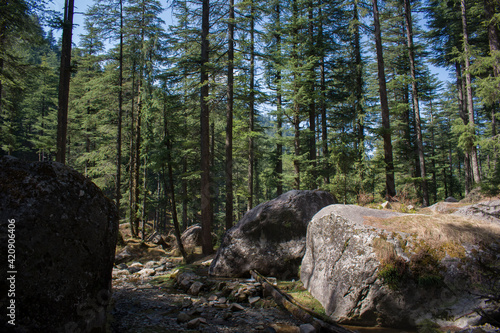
{"type": "Point", "coordinates": [160, 296]}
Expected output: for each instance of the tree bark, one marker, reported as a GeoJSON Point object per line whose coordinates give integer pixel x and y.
{"type": "Point", "coordinates": [206, 195]}
{"type": "Point", "coordinates": [493, 33]}
{"type": "Point", "coordinates": [386, 128]}
{"type": "Point", "coordinates": [470, 104]}
{"type": "Point", "coordinates": [462, 111]}
{"type": "Point", "coordinates": [120, 116]}
{"type": "Point", "coordinates": [64, 80]}
{"type": "Point", "coordinates": [360, 114]}
{"type": "Point", "coordinates": [312, 104]}
{"type": "Point", "coordinates": [416, 107]}
{"type": "Point", "coordinates": [132, 161]}
{"type": "Point", "coordinates": [251, 124]}
{"type": "Point", "coordinates": [279, 107]}
{"type": "Point", "coordinates": [229, 119]}
{"type": "Point", "coordinates": [296, 105]}
{"type": "Point", "coordinates": [324, 129]}
{"type": "Point", "coordinates": [171, 187]}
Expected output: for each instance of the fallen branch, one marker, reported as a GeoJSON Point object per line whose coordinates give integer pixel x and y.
{"type": "Point", "coordinates": [321, 323]}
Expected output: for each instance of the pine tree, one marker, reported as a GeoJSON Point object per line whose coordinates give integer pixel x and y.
{"type": "Point", "coordinates": [386, 134]}
{"type": "Point", "coordinates": [64, 79]}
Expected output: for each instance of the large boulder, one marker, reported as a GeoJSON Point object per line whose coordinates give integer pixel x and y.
{"type": "Point", "coordinates": [191, 238]}
{"type": "Point", "coordinates": [486, 210]}
{"type": "Point", "coordinates": [61, 238]}
{"type": "Point", "coordinates": [270, 238]}
{"type": "Point", "coordinates": [373, 267]}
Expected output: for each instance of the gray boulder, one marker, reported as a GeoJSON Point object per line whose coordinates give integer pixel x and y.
{"type": "Point", "coordinates": [65, 233]}
{"type": "Point", "coordinates": [191, 238]}
{"type": "Point", "coordinates": [270, 238]}
{"type": "Point", "coordinates": [373, 267]}
{"type": "Point", "coordinates": [486, 210]}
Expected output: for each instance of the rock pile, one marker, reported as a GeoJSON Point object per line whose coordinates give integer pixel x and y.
{"type": "Point", "coordinates": [193, 301]}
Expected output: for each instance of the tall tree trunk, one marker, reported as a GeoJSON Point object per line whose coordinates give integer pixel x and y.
{"type": "Point", "coordinates": [64, 79]}
{"type": "Point", "coordinates": [494, 43]}
{"type": "Point", "coordinates": [206, 195]}
{"type": "Point", "coordinates": [386, 125]}
{"type": "Point", "coordinates": [324, 129]}
{"type": "Point", "coordinates": [120, 116]}
{"type": "Point", "coordinates": [229, 119]}
{"type": "Point", "coordinates": [462, 111]}
{"type": "Point", "coordinates": [360, 114]}
{"type": "Point", "coordinates": [144, 197]}
{"type": "Point", "coordinates": [493, 32]}
{"type": "Point", "coordinates": [2, 46]}
{"type": "Point", "coordinates": [470, 103]}
{"type": "Point", "coordinates": [137, 153]}
{"type": "Point", "coordinates": [279, 107]}
{"type": "Point", "coordinates": [312, 104]}
{"type": "Point", "coordinates": [296, 105]}
{"type": "Point", "coordinates": [184, 194]}
{"type": "Point", "coordinates": [416, 107]}
{"type": "Point", "coordinates": [251, 124]}
{"type": "Point", "coordinates": [171, 187]}
{"type": "Point", "coordinates": [132, 161]}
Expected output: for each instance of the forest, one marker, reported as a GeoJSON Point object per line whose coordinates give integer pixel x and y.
{"type": "Point", "coordinates": [236, 102]}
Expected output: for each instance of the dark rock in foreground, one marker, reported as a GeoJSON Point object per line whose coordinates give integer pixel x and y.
{"type": "Point", "coordinates": [270, 238]}
{"type": "Point", "coordinates": [65, 233]}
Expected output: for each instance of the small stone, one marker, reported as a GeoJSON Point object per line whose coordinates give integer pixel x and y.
{"type": "Point", "coordinates": [222, 300]}
{"type": "Point", "coordinates": [386, 205]}
{"type": "Point", "coordinates": [235, 307]}
{"type": "Point", "coordinates": [122, 266]}
{"type": "Point", "coordinates": [285, 328]}
{"type": "Point", "coordinates": [121, 272]}
{"type": "Point", "coordinates": [450, 199]}
{"type": "Point", "coordinates": [195, 323]}
{"type": "Point", "coordinates": [151, 264]}
{"type": "Point", "coordinates": [227, 315]}
{"type": "Point", "coordinates": [146, 272]}
{"type": "Point", "coordinates": [253, 300]}
{"type": "Point", "coordinates": [136, 264]}
{"type": "Point", "coordinates": [133, 270]}
{"type": "Point", "coordinates": [273, 281]}
{"type": "Point", "coordinates": [307, 328]}
{"type": "Point", "coordinates": [160, 268]}
{"type": "Point", "coordinates": [212, 298]}
{"type": "Point", "coordinates": [195, 288]}
{"type": "Point", "coordinates": [186, 303]}
{"type": "Point", "coordinates": [185, 284]}
{"type": "Point", "coordinates": [183, 318]}
{"type": "Point", "coordinates": [207, 263]}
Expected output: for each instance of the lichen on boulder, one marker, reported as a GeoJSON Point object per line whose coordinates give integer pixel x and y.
{"type": "Point", "coordinates": [373, 267]}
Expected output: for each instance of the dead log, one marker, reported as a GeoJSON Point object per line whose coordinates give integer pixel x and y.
{"type": "Point", "coordinates": [308, 316]}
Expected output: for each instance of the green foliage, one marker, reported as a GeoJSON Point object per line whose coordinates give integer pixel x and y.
{"type": "Point", "coordinates": [394, 273]}
{"type": "Point", "coordinates": [311, 63]}
{"type": "Point", "coordinates": [428, 326]}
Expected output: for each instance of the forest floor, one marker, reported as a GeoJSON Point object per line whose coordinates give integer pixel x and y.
{"type": "Point", "coordinates": [154, 291]}
{"type": "Point", "coordinates": [147, 297]}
